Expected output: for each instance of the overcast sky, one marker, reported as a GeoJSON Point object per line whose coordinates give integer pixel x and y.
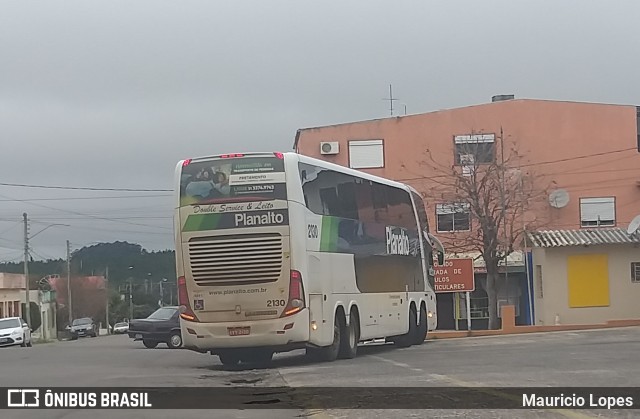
{"type": "Point", "coordinates": [112, 94]}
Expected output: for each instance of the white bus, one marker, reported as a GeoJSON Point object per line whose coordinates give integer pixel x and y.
{"type": "Point", "coordinates": [279, 251]}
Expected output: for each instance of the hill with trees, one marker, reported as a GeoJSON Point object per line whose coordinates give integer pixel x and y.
{"type": "Point", "coordinates": [124, 264]}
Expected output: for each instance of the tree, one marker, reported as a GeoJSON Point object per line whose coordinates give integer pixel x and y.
{"type": "Point", "coordinates": [36, 320]}
{"type": "Point", "coordinates": [88, 299]}
{"type": "Point", "coordinates": [497, 193]}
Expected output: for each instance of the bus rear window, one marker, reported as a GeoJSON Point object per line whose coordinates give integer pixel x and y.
{"type": "Point", "coordinates": [233, 180]}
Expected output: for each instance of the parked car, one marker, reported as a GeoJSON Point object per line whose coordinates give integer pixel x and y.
{"type": "Point", "coordinates": [83, 327]}
{"type": "Point", "coordinates": [163, 326]}
{"type": "Point", "coordinates": [120, 328]}
{"type": "Point", "coordinates": [14, 331]}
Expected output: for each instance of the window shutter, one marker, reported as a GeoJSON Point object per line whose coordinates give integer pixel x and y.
{"type": "Point", "coordinates": [442, 209]}
{"type": "Point", "coordinates": [474, 139]}
{"type": "Point", "coordinates": [594, 209]}
{"type": "Point", "coordinates": [366, 154]}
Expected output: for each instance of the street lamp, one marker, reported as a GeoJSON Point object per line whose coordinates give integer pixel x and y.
{"type": "Point", "coordinates": [50, 225]}
{"type": "Point", "coordinates": [26, 262]}
{"type": "Point", "coordinates": [130, 294]}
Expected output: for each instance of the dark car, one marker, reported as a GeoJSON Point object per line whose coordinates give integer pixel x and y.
{"type": "Point", "coordinates": [83, 327]}
{"type": "Point", "coordinates": [163, 326]}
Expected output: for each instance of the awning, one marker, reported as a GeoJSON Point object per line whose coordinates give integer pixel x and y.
{"type": "Point", "coordinates": [584, 237]}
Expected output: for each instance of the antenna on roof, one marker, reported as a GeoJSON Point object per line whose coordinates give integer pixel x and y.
{"type": "Point", "coordinates": [390, 99]}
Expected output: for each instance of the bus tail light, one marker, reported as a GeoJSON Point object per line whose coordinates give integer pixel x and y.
{"type": "Point", "coordinates": [186, 162]}
{"type": "Point", "coordinates": [183, 301]}
{"type": "Point", "coordinates": [232, 155]}
{"type": "Point", "coordinates": [296, 295]}
{"type": "Point", "coordinates": [278, 155]}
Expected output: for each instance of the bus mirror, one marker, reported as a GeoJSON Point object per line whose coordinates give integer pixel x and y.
{"type": "Point", "coordinates": [440, 259]}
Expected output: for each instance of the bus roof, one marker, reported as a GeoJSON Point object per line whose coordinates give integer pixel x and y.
{"type": "Point", "coordinates": [353, 172]}
{"type": "Point", "coordinates": [305, 159]}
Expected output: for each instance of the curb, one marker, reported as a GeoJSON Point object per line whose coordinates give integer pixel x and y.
{"type": "Point", "coordinates": [519, 330]}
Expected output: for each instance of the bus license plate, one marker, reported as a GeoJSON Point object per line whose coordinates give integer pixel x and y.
{"type": "Point", "coordinates": [239, 331]}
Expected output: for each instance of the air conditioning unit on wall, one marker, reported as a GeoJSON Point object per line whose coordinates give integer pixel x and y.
{"type": "Point", "coordinates": [329, 147]}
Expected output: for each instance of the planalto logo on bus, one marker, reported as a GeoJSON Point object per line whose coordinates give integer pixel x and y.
{"type": "Point", "coordinates": [247, 219]}
{"type": "Point", "coordinates": [397, 241]}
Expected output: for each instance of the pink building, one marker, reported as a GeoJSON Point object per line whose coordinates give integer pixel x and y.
{"type": "Point", "coordinates": [584, 157]}
{"type": "Point", "coordinates": [12, 288]}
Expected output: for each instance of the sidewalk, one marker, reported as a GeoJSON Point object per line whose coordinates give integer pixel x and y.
{"type": "Point", "coordinates": [509, 327]}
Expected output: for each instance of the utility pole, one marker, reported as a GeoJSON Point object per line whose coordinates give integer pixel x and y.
{"type": "Point", "coordinates": [504, 212]}
{"type": "Point", "coordinates": [26, 267]}
{"type": "Point", "coordinates": [106, 289]}
{"type": "Point", "coordinates": [69, 282]}
{"type": "Point", "coordinates": [504, 219]}
{"type": "Point", "coordinates": [130, 300]}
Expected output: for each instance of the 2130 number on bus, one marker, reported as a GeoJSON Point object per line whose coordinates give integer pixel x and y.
{"type": "Point", "coordinates": [276, 303]}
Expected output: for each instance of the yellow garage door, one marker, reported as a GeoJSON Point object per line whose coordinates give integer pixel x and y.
{"type": "Point", "coordinates": [588, 280]}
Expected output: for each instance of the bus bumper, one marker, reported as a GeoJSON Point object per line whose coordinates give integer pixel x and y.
{"type": "Point", "coordinates": [283, 333]}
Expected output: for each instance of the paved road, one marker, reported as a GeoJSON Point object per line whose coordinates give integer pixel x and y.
{"type": "Point", "coordinates": [587, 358]}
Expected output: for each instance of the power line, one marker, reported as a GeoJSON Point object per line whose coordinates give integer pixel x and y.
{"type": "Point", "coordinates": [167, 233]}
{"type": "Point", "coordinates": [531, 164]}
{"type": "Point", "coordinates": [87, 215]}
{"type": "Point", "coordinates": [24, 185]}
{"type": "Point", "coordinates": [604, 153]}
{"type": "Point", "coordinates": [42, 257]}
{"type": "Point", "coordinates": [110, 218]}
{"type": "Point", "coordinates": [597, 182]}
{"type": "Point", "coordinates": [10, 228]}
{"type": "Point", "coordinates": [87, 198]}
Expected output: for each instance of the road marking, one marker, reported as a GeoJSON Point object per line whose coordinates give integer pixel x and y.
{"type": "Point", "coordinates": [298, 370]}
{"type": "Point", "coordinates": [397, 364]}
{"type": "Point", "coordinates": [319, 414]}
{"type": "Point", "coordinates": [476, 386]}
{"type": "Point", "coordinates": [480, 387]}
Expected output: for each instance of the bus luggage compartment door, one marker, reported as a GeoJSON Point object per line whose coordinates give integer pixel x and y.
{"type": "Point", "coordinates": [318, 330]}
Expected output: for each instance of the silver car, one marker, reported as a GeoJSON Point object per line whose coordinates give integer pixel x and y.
{"type": "Point", "coordinates": [14, 331]}
{"type": "Point", "coordinates": [122, 327]}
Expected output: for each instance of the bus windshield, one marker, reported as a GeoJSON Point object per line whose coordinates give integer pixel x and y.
{"type": "Point", "coordinates": [232, 180]}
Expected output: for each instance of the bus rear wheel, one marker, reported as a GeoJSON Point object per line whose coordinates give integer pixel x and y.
{"type": "Point", "coordinates": [329, 353]}
{"type": "Point", "coordinates": [408, 338]}
{"type": "Point", "coordinates": [351, 337]}
{"type": "Point", "coordinates": [258, 357]}
{"type": "Point", "coordinates": [229, 359]}
{"type": "Point", "coordinates": [421, 329]}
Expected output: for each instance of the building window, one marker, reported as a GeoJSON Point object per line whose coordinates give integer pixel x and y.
{"type": "Point", "coordinates": [366, 154]}
{"type": "Point", "coordinates": [597, 212]}
{"type": "Point", "coordinates": [635, 272]}
{"type": "Point", "coordinates": [474, 149]}
{"type": "Point", "coordinates": [453, 217]}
